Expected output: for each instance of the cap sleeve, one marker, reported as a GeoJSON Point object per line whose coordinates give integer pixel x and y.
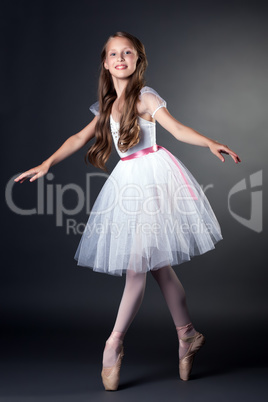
{"type": "Point", "coordinates": [95, 108]}
{"type": "Point", "coordinates": [151, 100]}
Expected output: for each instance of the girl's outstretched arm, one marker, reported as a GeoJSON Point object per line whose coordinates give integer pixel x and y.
{"type": "Point", "coordinates": [70, 146]}
{"type": "Point", "coordinates": [190, 136]}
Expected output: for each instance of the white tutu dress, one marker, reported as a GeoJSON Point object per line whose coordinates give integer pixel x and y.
{"type": "Point", "coordinates": [151, 212]}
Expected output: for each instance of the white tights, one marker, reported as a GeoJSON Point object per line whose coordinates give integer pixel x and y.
{"type": "Point", "coordinates": [174, 295]}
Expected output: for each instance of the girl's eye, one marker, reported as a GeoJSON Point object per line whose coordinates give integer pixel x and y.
{"type": "Point", "coordinates": [127, 51]}
{"type": "Point", "coordinates": [112, 54]}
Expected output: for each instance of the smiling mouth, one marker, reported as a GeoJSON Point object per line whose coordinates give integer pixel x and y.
{"type": "Point", "coordinates": [121, 67]}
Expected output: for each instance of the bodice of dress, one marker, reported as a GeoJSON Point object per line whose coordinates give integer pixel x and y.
{"type": "Point", "coordinates": [147, 136]}
{"type": "Point", "coordinates": [150, 102]}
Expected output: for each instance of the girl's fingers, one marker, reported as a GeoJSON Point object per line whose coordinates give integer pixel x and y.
{"type": "Point", "coordinates": [35, 177]}
{"type": "Point", "coordinates": [234, 156]}
{"type": "Point", "coordinates": [19, 178]}
{"type": "Point", "coordinates": [226, 150]}
{"type": "Point", "coordinates": [33, 173]}
{"type": "Point", "coordinates": [24, 175]}
{"type": "Point", "coordinates": [220, 156]}
{"type": "Point", "coordinates": [22, 180]}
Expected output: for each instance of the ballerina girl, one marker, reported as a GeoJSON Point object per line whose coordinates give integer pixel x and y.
{"type": "Point", "coordinates": [151, 214]}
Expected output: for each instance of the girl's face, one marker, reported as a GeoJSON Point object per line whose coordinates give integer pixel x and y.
{"type": "Point", "coordinates": [121, 57]}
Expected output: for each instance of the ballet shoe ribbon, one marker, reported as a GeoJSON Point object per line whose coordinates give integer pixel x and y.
{"type": "Point", "coordinates": [155, 148]}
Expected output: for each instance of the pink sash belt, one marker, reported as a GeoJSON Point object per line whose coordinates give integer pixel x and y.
{"type": "Point", "coordinates": [155, 148]}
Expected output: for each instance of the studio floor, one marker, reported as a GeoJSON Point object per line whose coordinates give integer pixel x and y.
{"type": "Point", "coordinates": [64, 365]}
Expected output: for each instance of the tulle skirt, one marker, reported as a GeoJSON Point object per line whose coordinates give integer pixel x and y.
{"type": "Point", "coordinates": [149, 213]}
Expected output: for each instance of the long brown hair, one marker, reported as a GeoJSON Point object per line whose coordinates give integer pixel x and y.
{"type": "Point", "coordinates": [100, 151]}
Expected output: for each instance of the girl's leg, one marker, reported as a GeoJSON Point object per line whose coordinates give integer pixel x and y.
{"type": "Point", "coordinates": [175, 297]}
{"type": "Point", "coordinates": [129, 306]}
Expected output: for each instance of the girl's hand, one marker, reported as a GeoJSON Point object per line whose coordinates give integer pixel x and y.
{"type": "Point", "coordinates": [34, 173]}
{"type": "Point", "coordinates": [219, 149]}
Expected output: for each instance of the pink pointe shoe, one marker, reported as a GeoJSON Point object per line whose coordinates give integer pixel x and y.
{"type": "Point", "coordinates": [186, 363]}
{"type": "Point", "coordinates": [111, 375]}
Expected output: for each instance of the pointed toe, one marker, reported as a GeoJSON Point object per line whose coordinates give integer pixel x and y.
{"type": "Point", "coordinates": [186, 363]}
{"type": "Point", "coordinates": [111, 375]}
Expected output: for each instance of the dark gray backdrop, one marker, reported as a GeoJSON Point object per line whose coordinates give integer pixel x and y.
{"type": "Point", "coordinates": [208, 59]}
